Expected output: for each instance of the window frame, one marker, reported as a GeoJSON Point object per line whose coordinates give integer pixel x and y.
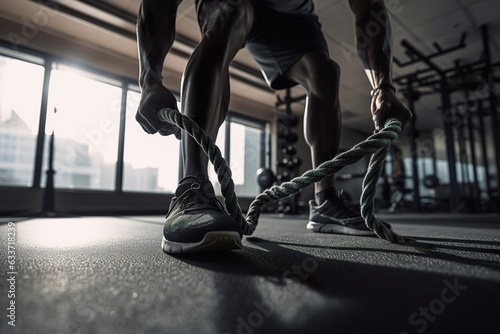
{"type": "Point", "coordinates": [49, 61]}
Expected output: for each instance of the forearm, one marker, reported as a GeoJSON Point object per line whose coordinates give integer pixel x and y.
{"type": "Point", "coordinates": [374, 40]}
{"type": "Point", "coordinates": [155, 36]}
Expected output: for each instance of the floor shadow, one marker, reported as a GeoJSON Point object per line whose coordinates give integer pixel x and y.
{"type": "Point", "coordinates": [360, 288]}
{"type": "Point", "coordinates": [465, 241]}
{"type": "Point", "coordinates": [424, 250]}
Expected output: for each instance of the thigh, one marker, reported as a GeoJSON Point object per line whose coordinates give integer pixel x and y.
{"type": "Point", "coordinates": [279, 40]}
{"type": "Point", "coordinates": [227, 19]}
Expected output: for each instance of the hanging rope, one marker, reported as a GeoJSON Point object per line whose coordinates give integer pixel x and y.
{"type": "Point", "coordinates": [377, 145]}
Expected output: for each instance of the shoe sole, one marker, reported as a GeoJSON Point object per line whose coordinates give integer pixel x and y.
{"type": "Point", "coordinates": [212, 241]}
{"type": "Point", "coordinates": [337, 229]}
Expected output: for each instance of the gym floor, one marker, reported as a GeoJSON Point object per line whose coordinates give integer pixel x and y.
{"type": "Point", "coordinates": [109, 275]}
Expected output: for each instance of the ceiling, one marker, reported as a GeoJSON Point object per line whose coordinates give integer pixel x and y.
{"type": "Point", "coordinates": [109, 26]}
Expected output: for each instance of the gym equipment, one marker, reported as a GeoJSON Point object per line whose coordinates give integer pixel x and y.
{"type": "Point", "coordinates": [289, 136]}
{"type": "Point", "coordinates": [377, 145]}
{"type": "Point", "coordinates": [289, 164]}
{"type": "Point", "coordinates": [462, 121]}
{"type": "Point", "coordinates": [265, 177]}
{"type": "Point", "coordinates": [289, 150]}
{"type": "Point", "coordinates": [431, 181]}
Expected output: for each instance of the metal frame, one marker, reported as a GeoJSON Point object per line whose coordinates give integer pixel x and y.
{"type": "Point", "coordinates": [492, 98]}
{"type": "Point", "coordinates": [48, 60]}
{"type": "Point", "coordinates": [438, 79]}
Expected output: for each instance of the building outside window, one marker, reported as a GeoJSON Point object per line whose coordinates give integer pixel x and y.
{"type": "Point", "coordinates": [84, 111]}
{"type": "Point", "coordinates": [151, 162]}
{"type": "Point", "coordinates": [21, 85]}
{"type": "Point", "coordinates": [246, 147]}
{"type": "Point", "coordinates": [84, 114]}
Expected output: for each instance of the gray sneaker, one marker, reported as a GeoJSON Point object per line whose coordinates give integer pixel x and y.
{"type": "Point", "coordinates": [335, 215]}
{"type": "Point", "coordinates": [197, 221]}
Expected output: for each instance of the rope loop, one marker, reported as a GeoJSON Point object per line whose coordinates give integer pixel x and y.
{"type": "Point", "coordinates": [377, 145]}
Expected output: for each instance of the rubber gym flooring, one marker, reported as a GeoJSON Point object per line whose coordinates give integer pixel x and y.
{"type": "Point", "coordinates": [109, 275]}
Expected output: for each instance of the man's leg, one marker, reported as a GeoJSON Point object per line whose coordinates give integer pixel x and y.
{"type": "Point", "coordinates": [320, 75]}
{"type": "Point", "coordinates": [196, 220]}
{"type": "Point", "coordinates": [155, 36]}
{"type": "Point", "coordinates": [205, 86]}
{"type": "Point", "coordinates": [329, 212]}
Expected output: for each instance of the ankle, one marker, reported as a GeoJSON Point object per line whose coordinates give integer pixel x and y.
{"type": "Point", "coordinates": [328, 193]}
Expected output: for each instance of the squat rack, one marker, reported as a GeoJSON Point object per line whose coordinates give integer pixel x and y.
{"type": "Point", "coordinates": [438, 80]}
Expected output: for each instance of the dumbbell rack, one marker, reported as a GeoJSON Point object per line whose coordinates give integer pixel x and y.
{"type": "Point", "coordinates": [288, 165]}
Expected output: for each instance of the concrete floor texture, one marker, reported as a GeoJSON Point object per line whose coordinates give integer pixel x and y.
{"type": "Point", "coordinates": [109, 275]}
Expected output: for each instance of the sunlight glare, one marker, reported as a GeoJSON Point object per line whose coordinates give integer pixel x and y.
{"type": "Point", "coordinates": [67, 233]}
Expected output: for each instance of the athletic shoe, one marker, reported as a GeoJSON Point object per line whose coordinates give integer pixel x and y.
{"type": "Point", "coordinates": [196, 220]}
{"type": "Point", "coordinates": [335, 215]}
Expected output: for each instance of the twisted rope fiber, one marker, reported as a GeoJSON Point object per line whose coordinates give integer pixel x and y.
{"type": "Point", "coordinates": [377, 145]}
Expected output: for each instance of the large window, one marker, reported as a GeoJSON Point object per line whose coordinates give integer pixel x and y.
{"type": "Point", "coordinates": [246, 155]}
{"type": "Point", "coordinates": [151, 162]}
{"type": "Point", "coordinates": [20, 97]}
{"type": "Point", "coordinates": [246, 141]}
{"type": "Point", "coordinates": [84, 114]}
{"type": "Point", "coordinates": [221, 143]}
{"type": "Point", "coordinates": [89, 114]}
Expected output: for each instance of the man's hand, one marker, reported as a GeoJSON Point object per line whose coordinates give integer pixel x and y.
{"type": "Point", "coordinates": [154, 98]}
{"type": "Point", "coordinates": [385, 105]}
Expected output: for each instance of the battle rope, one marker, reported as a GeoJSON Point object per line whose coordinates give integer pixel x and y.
{"type": "Point", "coordinates": [377, 144]}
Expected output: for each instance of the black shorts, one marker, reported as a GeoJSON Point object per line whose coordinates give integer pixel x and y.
{"type": "Point", "coordinates": [282, 33]}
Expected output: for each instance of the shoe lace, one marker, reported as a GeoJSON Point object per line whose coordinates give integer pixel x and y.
{"type": "Point", "coordinates": [195, 199]}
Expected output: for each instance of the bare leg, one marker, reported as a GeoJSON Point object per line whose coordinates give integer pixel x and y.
{"type": "Point", "coordinates": [155, 36]}
{"type": "Point", "coordinates": [322, 120]}
{"type": "Point", "coordinates": [205, 86]}
{"type": "Point", "coordinates": [320, 75]}
{"type": "Point", "coordinates": [196, 220]}
{"type": "Point", "coordinates": [374, 46]}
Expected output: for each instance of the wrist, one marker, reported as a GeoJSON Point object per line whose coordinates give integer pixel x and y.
{"type": "Point", "coordinates": [383, 86]}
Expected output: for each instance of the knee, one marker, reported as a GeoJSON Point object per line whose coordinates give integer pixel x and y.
{"type": "Point", "coordinates": [236, 11]}
{"type": "Point", "coordinates": [226, 18]}
{"type": "Point", "coordinates": [331, 71]}
{"type": "Point", "coordinates": [325, 78]}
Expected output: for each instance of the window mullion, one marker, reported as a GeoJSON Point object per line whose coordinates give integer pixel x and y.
{"type": "Point", "coordinates": [37, 175]}
{"type": "Point", "coordinates": [121, 140]}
